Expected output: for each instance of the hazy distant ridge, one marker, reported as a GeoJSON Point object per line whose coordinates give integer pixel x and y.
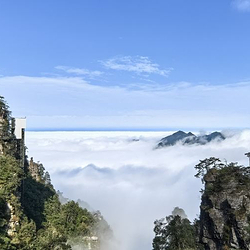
{"type": "Point", "coordinates": [189, 138]}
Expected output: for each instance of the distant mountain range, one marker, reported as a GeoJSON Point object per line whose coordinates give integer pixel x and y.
{"type": "Point", "coordinates": [189, 138]}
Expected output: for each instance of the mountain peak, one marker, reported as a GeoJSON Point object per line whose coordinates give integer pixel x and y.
{"type": "Point", "coordinates": [189, 138]}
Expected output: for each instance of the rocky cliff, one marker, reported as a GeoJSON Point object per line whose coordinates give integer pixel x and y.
{"type": "Point", "coordinates": [225, 208]}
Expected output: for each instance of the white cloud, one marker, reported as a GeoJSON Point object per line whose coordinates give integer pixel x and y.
{"type": "Point", "coordinates": [137, 64]}
{"type": "Point", "coordinates": [71, 102]}
{"type": "Point", "coordinates": [127, 180]}
{"type": "Point", "coordinates": [241, 5]}
{"type": "Point", "coordinates": [80, 71]}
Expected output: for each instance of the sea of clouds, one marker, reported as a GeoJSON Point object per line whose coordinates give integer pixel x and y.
{"type": "Point", "coordinates": [126, 178]}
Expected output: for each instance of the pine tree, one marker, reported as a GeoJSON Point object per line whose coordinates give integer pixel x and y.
{"type": "Point", "coordinates": [174, 233]}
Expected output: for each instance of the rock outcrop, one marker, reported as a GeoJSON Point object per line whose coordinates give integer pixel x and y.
{"type": "Point", "coordinates": [36, 170]}
{"type": "Point", "coordinates": [14, 220]}
{"type": "Point", "coordinates": [189, 139]}
{"type": "Point", "coordinates": [225, 209]}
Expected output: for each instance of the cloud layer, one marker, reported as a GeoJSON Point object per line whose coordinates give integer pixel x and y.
{"type": "Point", "coordinates": [130, 182]}
{"type": "Point", "coordinates": [72, 102]}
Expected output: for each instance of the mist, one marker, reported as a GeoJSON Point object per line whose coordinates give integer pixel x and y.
{"type": "Point", "coordinates": [126, 178]}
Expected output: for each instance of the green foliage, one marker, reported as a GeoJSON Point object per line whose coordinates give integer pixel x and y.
{"type": "Point", "coordinates": [174, 233]}
{"type": "Point", "coordinates": [34, 196]}
{"type": "Point", "coordinates": [8, 144]}
{"type": "Point", "coordinates": [4, 240]}
{"type": "Point", "coordinates": [46, 179]}
{"type": "Point", "coordinates": [10, 176]}
{"type": "Point", "coordinates": [26, 235]}
{"type": "Point", "coordinates": [53, 231]}
{"type": "Point", "coordinates": [204, 165]}
{"type": "Point", "coordinates": [3, 208]}
{"type": "Point", "coordinates": [77, 221]}
{"type": "Point", "coordinates": [49, 239]}
{"type": "Point", "coordinates": [220, 175]}
{"type": "Point", "coordinates": [64, 222]}
{"type": "Point", "coordinates": [161, 235]}
{"type": "Point", "coordinates": [224, 170]}
{"type": "Point", "coordinates": [233, 171]}
{"type": "Point", "coordinates": [43, 222]}
{"type": "Point", "coordinates": [98, 227]}
{"type": "Point", "coordinates": [10, 185]}
{"type": "Point", "coordinates": [5, 119]}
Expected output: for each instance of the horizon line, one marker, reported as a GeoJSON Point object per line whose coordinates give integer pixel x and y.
{"type": "Point", "coordinates": [126, 129]}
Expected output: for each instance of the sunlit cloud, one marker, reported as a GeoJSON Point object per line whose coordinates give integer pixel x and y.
{"type": "Point", "coordinates": [137, 64]}
{"type": "Point", "coordinates": [241, 5]}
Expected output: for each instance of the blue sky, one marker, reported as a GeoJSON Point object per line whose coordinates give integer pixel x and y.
{"type": "Point", "coordinates": [126, 64]}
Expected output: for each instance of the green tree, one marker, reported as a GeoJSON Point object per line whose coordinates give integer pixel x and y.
{"type": "Point", "coordinates": [10, 176]}
{"type": "Point", "coordinates": [47, 179]}
{"type": "Point", "coordinates": [204, 165]}
{"type": "Point", "coordinates": [174, 233]}
{"type": "Point", "coordinates": [4, 217]}
{"type": "Point", "coordinates": [34, 196]}
{"type": "Point", "coordinates": [77, 221]}
{"type": "Point", "coordinates": [5, 119]}
{"type": "Point", "coordinates": [26, 235]}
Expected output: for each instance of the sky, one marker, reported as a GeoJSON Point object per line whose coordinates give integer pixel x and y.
{"type": "Point", "coordinates": [128, 180]}
{"type": "Point", "coordinates": [164, 64]}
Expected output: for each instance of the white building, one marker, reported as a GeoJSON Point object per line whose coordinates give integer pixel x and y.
{"type": "Point", "coordinates": [20, 126]}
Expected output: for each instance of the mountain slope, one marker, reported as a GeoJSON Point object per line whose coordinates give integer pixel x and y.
{"type": "Point", "coordinates": [189, 139]}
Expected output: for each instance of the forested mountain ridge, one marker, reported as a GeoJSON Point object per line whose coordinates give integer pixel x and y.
{"type": "Point", "coordinates": [31, 215]}
{"type": "Point", "coordinates": [189, 139]}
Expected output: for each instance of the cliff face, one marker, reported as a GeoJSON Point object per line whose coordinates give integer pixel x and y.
{"type": "Point", "coordinates": [225, 209]}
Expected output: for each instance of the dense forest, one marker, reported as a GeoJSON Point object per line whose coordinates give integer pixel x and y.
{"type": "Point", "coordinates": [31, 214]}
